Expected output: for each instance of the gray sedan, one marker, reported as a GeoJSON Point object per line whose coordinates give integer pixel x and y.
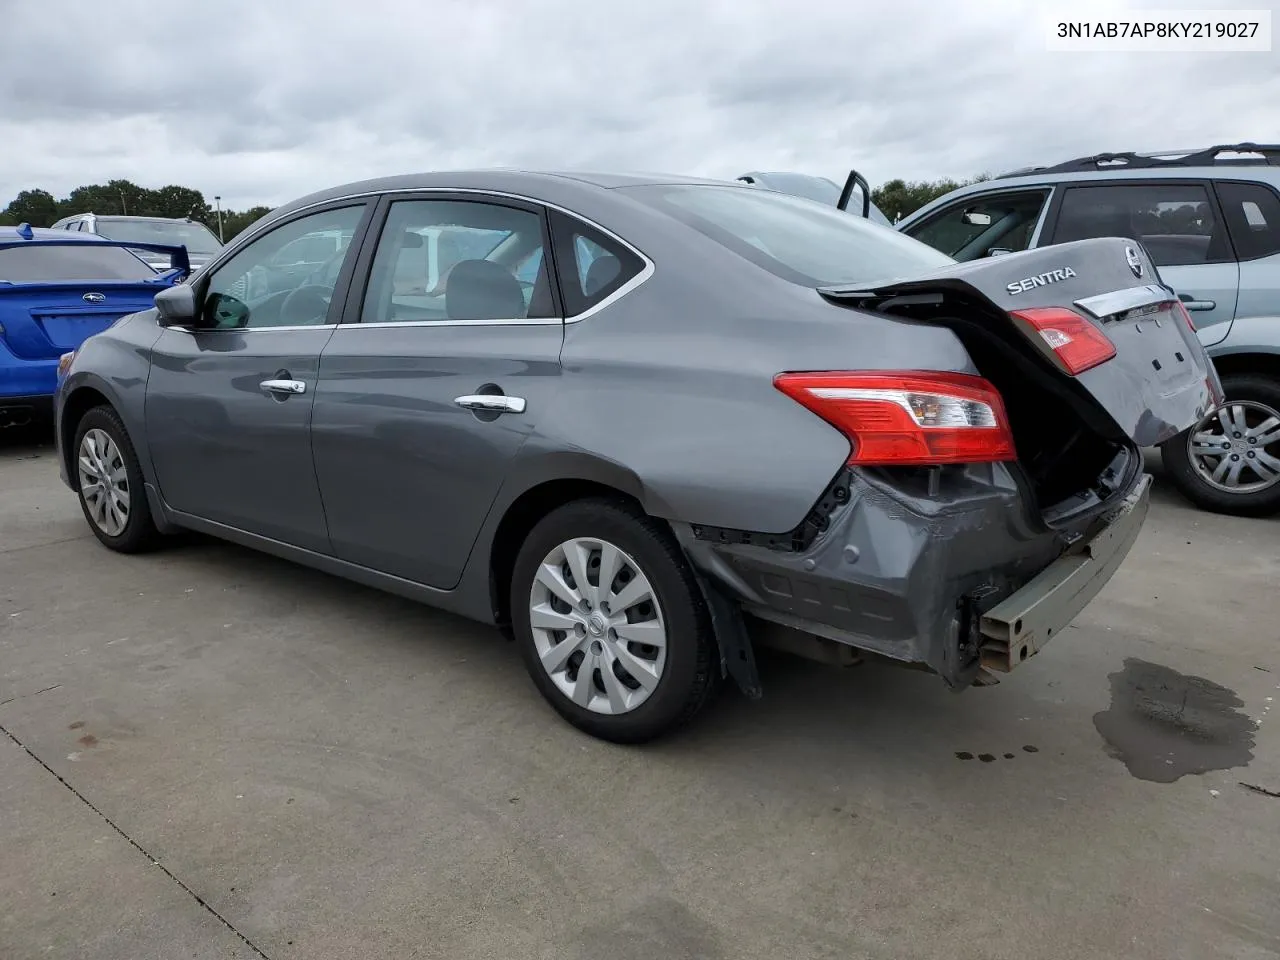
{"type": "Point", "coordinates": [648, 423]}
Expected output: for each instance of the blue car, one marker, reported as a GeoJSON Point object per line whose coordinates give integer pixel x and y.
{"type": "Point", "coordinates": [56, 290]}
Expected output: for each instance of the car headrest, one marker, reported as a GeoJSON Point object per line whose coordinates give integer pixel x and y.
{"type": "Point", "coordinates": [482, 290]}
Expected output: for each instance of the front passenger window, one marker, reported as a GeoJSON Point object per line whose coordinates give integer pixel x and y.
{"type": "Point", "coordinates": [979, 227]}
{"type": "Point", "coordinates": [284, 278]}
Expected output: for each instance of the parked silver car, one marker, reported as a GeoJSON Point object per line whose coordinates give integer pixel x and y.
{"type": "Point", "coordinates": [709, 415]}
{"type": "Point", "coordinates": [202, 246]}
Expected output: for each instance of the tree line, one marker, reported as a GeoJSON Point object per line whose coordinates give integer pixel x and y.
{"type": "Point", "coordinates": [897, 198]}
{"type": "Point", "coordinates": [40, 208]}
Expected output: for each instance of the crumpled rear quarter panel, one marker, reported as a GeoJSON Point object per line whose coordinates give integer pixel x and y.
{"type": "Point", "coordinates": [888, 573]}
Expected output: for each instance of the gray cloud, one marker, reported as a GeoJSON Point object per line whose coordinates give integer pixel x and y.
{"type": "Point", "coordinates": [260, 102]}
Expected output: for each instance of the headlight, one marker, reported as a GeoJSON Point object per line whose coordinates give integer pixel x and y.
{"type": "Point", "coordinates": [64, 363]}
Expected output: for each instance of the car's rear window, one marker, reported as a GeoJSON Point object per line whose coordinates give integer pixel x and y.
{"type": "Point", "coordinates": [45, 263]}
{"type": "Point", "coordinates": [799, 240]}
{"type": "Point", "coordinates": [196, 237]}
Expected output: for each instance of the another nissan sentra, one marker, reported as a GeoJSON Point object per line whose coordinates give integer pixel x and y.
{"type": "Point", "coordinates": [648, 422]}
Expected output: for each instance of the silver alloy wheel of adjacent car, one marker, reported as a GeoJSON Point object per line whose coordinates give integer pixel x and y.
{"type": "Point", "coordinates": [104, 482]}
{"type": "Point", "coordinates": [597, 626]}
{"type": "Point", "coordinates": [1236, 448]}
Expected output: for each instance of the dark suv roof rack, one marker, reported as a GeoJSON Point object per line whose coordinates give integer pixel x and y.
{"type": "Point", "coordinates": [1268, 154]}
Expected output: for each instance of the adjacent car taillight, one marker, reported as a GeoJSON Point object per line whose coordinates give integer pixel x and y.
{"type": "Point", "coordinates": [908, 418]}
{"type": "Point", "coordinates": [1078, 343]}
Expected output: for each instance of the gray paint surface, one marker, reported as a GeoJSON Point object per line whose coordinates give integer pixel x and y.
{"type": "Point", "coordinates": [664, 393]}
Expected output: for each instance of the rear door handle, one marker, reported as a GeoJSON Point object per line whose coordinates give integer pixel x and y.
{"type": "Point", "coordinates": [1191, 303]}
{"type": "Point", "coordinates": [287, 387]}
{"type": "Point", "coordinates": [493, 402]}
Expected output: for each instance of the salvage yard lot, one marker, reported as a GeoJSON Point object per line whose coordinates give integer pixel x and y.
{"type": "Point", "coordinates": [320, 771]}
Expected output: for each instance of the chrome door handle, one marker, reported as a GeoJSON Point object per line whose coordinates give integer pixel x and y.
{"type": "Point", "coordinates": [1191, 303]}
{"type": "Point", "coordinates": [289, 387]}
{"type": "Point", "coordinates": [493, 402]}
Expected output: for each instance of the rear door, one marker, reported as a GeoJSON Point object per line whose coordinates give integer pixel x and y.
{"type": "Point", "coordinates": [229, 401]}
{"type": "Point", "coordinates": [1252, 213]}
{"type": "Point", "coordinates": [1180, 224]}
{"type": "Point", "coordinates": [437, 375]}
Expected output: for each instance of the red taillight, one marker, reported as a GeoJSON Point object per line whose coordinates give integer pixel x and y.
{"type": "Point", "coordinates": [1078, 343]}
{"type": "Point", "coordinates": [1180, 307]}
{"type": "Point", "coordinates": [911, 418]}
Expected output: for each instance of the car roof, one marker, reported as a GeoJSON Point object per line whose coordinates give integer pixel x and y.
{"type": "Point", "coordinates": [121, 216]}
{"type": "Point", "coordinates": [537, 183]}
{"type": "Point", "coordinates": [48, 233]}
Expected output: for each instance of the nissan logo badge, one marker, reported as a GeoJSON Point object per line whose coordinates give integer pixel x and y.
{"type": "Point", "coordinates": [1135, 264]}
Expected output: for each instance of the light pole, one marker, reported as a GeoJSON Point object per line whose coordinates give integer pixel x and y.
{"type": "Point", "coordinates": [218, 203]}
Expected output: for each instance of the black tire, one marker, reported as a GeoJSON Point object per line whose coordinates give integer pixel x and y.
{"type": "Point", "coordinates": [691, 671]}
{"type": "Point", "coordinates": [1188, 481]}
{"type": "Point", "coordinates": [139, 533]}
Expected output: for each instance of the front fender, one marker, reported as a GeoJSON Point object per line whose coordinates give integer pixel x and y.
{"type": "Point", "coordinates": [113, 365]}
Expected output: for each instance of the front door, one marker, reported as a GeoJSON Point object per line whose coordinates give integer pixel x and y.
{"type": "Point", "coordinates": [229, 400]}
{"type": "Point", "coordinates": [433, 381]}
{"type": "Point", "coordinates": [1179, 224]}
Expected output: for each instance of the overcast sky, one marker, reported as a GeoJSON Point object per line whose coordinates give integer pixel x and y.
{"type": "Point", "coordinates": [262, 100]}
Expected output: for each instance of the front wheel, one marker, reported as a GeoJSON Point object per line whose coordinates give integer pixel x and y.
{"type": "Point", "coordinates": [1230, 461]}
{"type": "Point", "coordinates": [110, 483]}
{"type": "Point", "coordinates": [611, 623]}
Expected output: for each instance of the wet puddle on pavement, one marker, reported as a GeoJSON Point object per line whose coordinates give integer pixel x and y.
{"type": "Point", "coordinates": [1165, 725]}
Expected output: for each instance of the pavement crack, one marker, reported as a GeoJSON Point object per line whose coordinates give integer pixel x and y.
{"type": "Point", "coordinates": [134, 843]}
{"type": "Point", "coordinates": [47, 543]}
{"type": "Point", "coordinates": [1262, 790]}
{"type": "Point", "coordinates": [22, 696]}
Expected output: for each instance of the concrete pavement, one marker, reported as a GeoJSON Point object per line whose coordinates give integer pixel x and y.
{"type": "Point", "coordinates": [213, 753]}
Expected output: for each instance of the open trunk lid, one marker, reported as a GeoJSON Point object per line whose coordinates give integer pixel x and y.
{"type": "Point", "coordinates": [1092, 318]}
{"type": "Point", "coordinates": [41, 321]}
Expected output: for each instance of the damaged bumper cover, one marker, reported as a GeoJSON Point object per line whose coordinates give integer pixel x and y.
{"type": "Point", "coordinates": [955, 575]}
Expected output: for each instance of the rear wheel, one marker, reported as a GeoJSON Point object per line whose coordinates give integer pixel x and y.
{"type": "Point", "coordinates": [1230, 461]}
{"type": "Point", "coordinates": [611, 623]}
{"type": "Point", "coordinates": [110, 483]}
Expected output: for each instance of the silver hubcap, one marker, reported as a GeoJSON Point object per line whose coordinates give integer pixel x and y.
{"type": "Point", "coordinates": [1236, 448]}
{"type": "Point", "coordinates": [104, 483]}
{"type": "Point", "coordinates": [597, 626]}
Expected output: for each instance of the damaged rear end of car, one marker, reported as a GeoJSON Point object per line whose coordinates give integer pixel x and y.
{"type": "Point", "coordinates": [978, 514]}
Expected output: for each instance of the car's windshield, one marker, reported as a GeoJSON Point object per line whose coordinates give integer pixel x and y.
{"type": "Point", "coordinates": [194, 236]}
{"type": "Point", "coordinates": [48, 263]}
{"type": "Point", "coordinates": [797, 239]}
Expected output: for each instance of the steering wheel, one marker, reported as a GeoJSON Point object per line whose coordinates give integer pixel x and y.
{"type": "Point", "coordinates": [302, 306]}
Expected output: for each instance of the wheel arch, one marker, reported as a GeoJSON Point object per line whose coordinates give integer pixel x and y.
{"type": "Point", "coordinates": [1244, 362]}
{"type": "Point", "coordinates": [89, 392]}
{"type": "Point", "coordinates": [544, 484]}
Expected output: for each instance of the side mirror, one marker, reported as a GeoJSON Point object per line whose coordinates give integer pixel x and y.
{"type": "Point", "coordinates": [176, 306]}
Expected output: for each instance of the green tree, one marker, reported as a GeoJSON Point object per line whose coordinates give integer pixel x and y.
{"type": "Point", "coordinates": [234, 223]}
{"type": "Point", "coordinates": [898, 198]}
{"type": "Point", "coordinates": [119, 197]}
{"type": "Point", "coordinates": [175, 201]}
{"type": "Point", "coordinates": [36, 207]}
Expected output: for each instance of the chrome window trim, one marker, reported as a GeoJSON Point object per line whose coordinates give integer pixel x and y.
{"type": "Point", "coordinates": [645, 273]}
{"type": "Point", "coordinates": [285, 328]}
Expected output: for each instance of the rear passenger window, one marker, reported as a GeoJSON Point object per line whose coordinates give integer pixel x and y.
{"type": "Point", "coordinates": [1252, 212]}
{"type": "Point", "coordinates": [452, 260]}
{"type": "Point", "coordinates": [1174, 221]}
{"type": "Point", "coordinates": [592, 266]}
